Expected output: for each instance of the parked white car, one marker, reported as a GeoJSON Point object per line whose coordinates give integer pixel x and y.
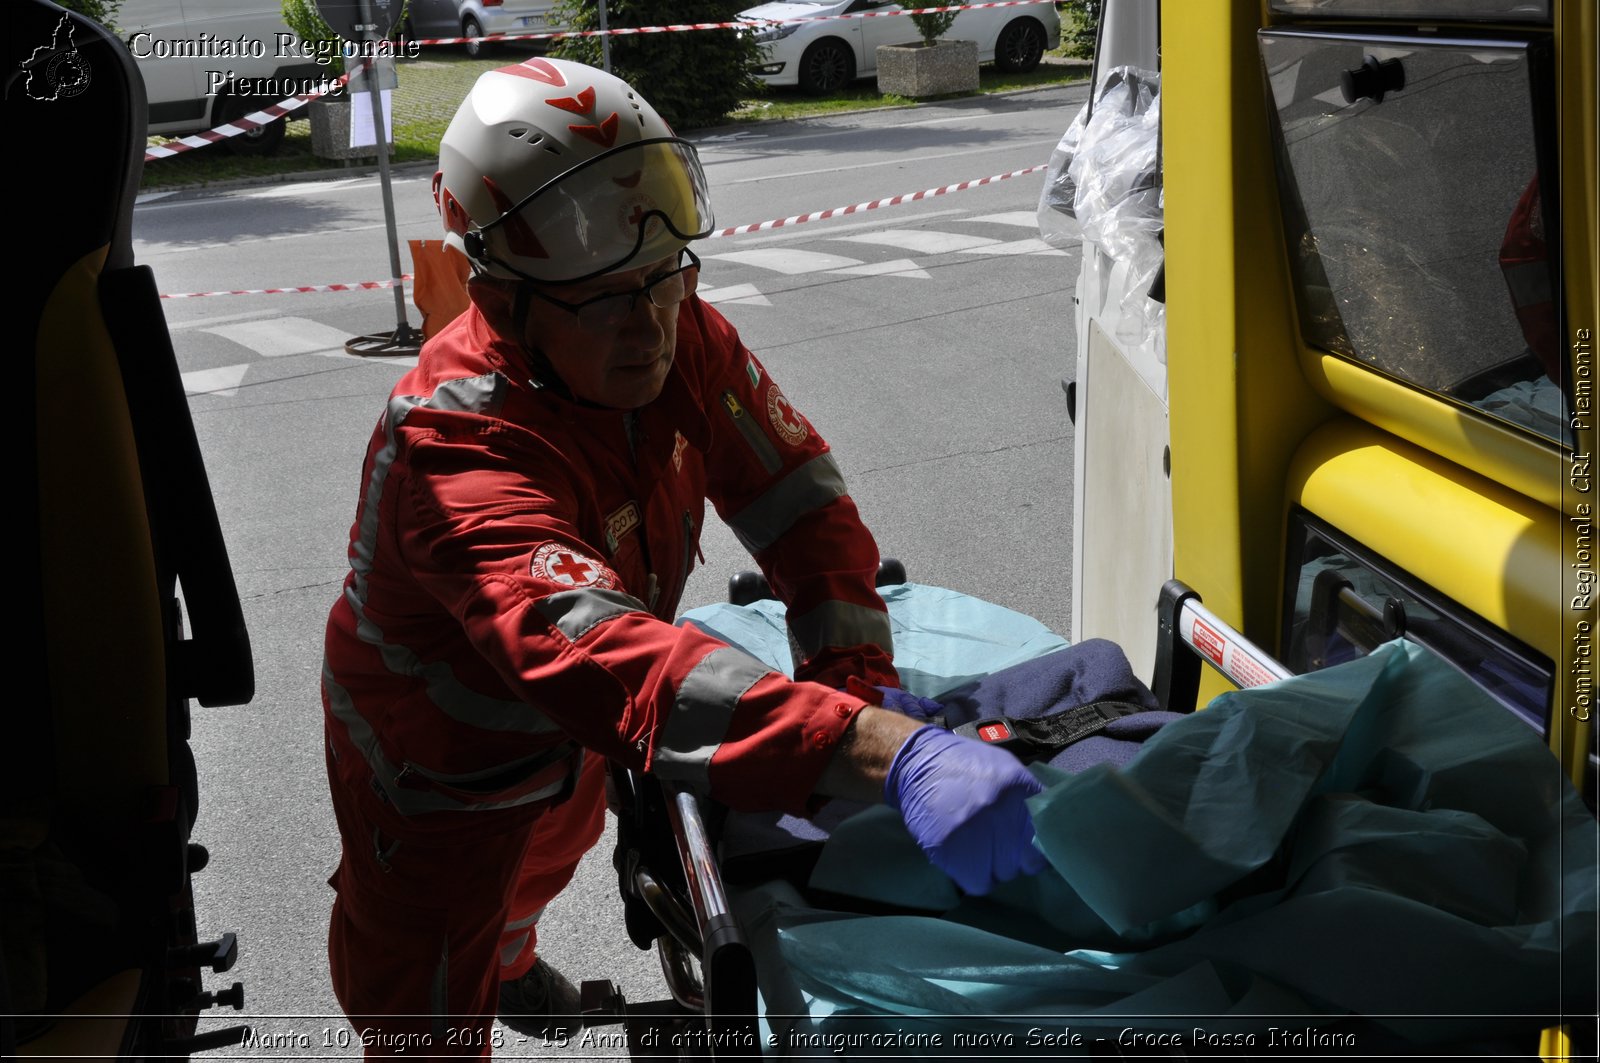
{"type": "Point", "coordinates": [479, 18]}
{"type": "Point", "coordinates": [206, 62]}
{"type": "Point", "coordinates": [822, 57]}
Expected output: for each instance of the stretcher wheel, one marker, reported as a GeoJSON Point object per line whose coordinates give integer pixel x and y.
{"type": "Point", "coordinates": [747, 587]}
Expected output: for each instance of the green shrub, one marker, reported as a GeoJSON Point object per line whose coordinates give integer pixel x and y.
{"type": "Point", "coordinates": [933, 26]}
{"type": "Point", "coordinates": [102, 11]}
{"type": "Point", "coordinates": [694, 79]}
{"type": "Point", "coordinates": [313, 30]}
{"type": "Point", "coordinates": [1081, 26]}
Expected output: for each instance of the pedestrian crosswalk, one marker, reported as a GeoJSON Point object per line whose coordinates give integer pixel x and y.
{"type": "Point", "coordinates": [848, 252]}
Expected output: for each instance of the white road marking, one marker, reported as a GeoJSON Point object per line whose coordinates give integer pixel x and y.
{"type": "Point", "coordinates": [282, 336]}
{"type": "Point", "coordinates": [742, 294]}
{"type": "Point", "coordinates": [1035, 246]}
{"type": "Point", "coordinates": [788, 261]}
{"type": "Point", "coordinates": [218, 319]}
{"type": "Point", "coordinates": [1027, 219]}
{"type": "Point", "coordinates": [921, 241]}
{"type": "Point", "coordinates": [224, 380]}
{"type": "Point", "coordinates": [900, 267]}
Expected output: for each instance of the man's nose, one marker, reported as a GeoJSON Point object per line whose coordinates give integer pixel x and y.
{"type": "Point", "coordinates": [643, 323]}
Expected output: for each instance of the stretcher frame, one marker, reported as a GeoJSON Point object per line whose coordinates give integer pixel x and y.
{"type": "Point", "coordinates": [675, 899]}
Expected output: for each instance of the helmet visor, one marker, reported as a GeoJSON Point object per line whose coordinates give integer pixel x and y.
{"type": "Point", "coordinates": [634, 204]}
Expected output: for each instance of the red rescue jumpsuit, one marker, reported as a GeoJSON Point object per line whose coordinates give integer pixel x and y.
{"type": "Point", "coordinates": [516, 559]}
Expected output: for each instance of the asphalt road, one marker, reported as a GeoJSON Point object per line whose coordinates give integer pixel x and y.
{"type": "Point", "coordinates": [926, 341]}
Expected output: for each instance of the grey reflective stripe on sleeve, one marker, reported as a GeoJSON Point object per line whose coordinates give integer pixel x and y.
{"type": "Point", "coordinates": [406, 801]}
{"type": "Point", "coordinates": [575, 612]}
{"type": "Point", "coordinates": [480, 394]}
{"type": "Point", "coordinates": [810, 487]}
{"type": "Point", "coordinates": [842, 624]}
{"type": "Point", "coordinates": [706, 701]}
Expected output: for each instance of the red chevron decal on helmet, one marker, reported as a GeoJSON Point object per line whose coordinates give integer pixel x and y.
{"type": "Point", "coordinates": [455, 216]}
{"type": "Point", "coordinates": [537, 69]}
{"type": "Point", "coordinates": [582, 104]}
{"type": "Point", "coordinates": [519, 237]}
{"type": "Point", "coordinates": [604, 134]}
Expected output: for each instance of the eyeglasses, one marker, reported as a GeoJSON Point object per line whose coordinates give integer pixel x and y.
{"type": "Point", "coordinates": [605, 312]}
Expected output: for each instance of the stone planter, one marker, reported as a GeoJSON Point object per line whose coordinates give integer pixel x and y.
{"type": "Point", "coordinates": [917, 71]}
{"type": "Point", "coordinates": [330, 131]}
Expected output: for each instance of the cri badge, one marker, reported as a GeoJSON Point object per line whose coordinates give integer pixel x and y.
{"type": "Point", "coordinates": [790, 426]}
{"type": "Point", "coordinates": [555, 563]}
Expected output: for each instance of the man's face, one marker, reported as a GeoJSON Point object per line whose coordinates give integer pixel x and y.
{"type": "Point", "coordinates": [623, 367]}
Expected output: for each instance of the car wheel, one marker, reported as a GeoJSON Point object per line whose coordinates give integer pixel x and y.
{"type": "Point", "coordinates": [263, 141]}
{"type": "Point", "coordinates": [1019, 47]}
{"type": "Point", "coordinates": [827, 66]}
{"type": "Point", "coordinates": [471, 28]}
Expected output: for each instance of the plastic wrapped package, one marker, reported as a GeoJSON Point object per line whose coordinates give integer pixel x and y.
{"type": "Point", "coordinates": [1058, 217]}
{"type": "Point", "coordinates": [1103, 186]}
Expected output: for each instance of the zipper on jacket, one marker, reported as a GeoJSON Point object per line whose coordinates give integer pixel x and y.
{"type": "Point", "coordinates": [753, 435]}
{"type": "Point", "coordinates": [688, 551]}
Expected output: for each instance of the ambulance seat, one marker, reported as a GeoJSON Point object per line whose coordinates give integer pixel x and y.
{"type": "Point", "coordinates": [116, 521]}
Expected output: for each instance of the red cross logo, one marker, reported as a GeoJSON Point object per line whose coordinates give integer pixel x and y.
{"type": "Point", "coordinates": [790, 426]}
{"type": "Point", "coordinates": [570, 569]}
{"type": "Point", "coordinates": [558, 564]}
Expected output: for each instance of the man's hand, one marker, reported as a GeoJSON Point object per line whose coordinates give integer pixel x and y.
{"type": "Point", "coordinates": [963, 803]}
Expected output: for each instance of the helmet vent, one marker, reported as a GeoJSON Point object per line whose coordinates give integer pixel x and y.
{"type": "Point", "coordinates": [519, 133]}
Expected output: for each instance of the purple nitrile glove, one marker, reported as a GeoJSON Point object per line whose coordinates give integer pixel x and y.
{"type": "Point", "coordinates": [907, 704]}
{"type": "Point", "coordinates": [963, 802]}
{"type": "Point", "coordinates": [894, 699]}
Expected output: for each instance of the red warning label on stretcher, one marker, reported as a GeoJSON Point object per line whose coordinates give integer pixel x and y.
{"type": "Point", "coordinates": [1209, 642]}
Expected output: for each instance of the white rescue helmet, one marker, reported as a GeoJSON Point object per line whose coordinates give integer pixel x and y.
{"type": "Point", "coordinates": [556, 172]}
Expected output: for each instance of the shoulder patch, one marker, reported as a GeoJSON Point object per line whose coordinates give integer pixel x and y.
{"type": "Point", "coordinates": [621, 523]}
{"type": "Point", "coordinates": [789, 425]}
{"type": "Point", "coordinates": [754, 372]}
{"type": "Point", "coordinates": [555, 563]}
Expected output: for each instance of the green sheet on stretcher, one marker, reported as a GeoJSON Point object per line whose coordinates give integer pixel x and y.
{"type": "Point", "coordinates": [1366, 857]}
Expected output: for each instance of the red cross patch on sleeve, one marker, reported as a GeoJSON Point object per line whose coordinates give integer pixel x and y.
{"type": "Point", "coordinates": [790, 426]}
{"type": "Point", "coordinates": [555, 563]}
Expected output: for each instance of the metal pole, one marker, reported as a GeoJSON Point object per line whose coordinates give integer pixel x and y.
{"type": "Point", "coordinates": [605, 40]}
{"type": "Point", "coordinates": [404, 336]}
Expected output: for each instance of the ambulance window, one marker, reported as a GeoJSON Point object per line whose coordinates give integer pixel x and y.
{"type": "Point", "coordinates": [1343, 601]}
{"type": "Point", "coordinates": [1487, 10]}
{"type": "Point", "coordinates": [1418, 193]}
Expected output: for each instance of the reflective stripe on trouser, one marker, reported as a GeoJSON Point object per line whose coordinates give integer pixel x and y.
{"type": "Point", "coordinates": [414, 939]}
{"type": "Point", "coordinates": [560, 839]}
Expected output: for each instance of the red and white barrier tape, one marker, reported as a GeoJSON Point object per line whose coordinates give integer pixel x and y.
{"type": "Point", "coordinates": [256, 119]}
{"type": "Point", "coordinates": [239, 126]}
{"type": "Point", "coordinates": [357, 286]}
{"type": "Point", "coordinates": [835, 212]}
{"type": "Point", "coordinates": [737, 230]}
{"type": "Point", "coordinates": [740, 24]}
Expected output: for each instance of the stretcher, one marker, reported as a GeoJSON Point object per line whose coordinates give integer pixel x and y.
{"type": "Point", "coordinates": [691, 893]}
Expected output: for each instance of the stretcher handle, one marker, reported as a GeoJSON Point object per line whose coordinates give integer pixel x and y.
{"type": "Point", "coordinates": [710, 900]}
{"type": "Point", "coordinates": [1186, 624]}
{"type": "Point", "coordinates": [728, 972]}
